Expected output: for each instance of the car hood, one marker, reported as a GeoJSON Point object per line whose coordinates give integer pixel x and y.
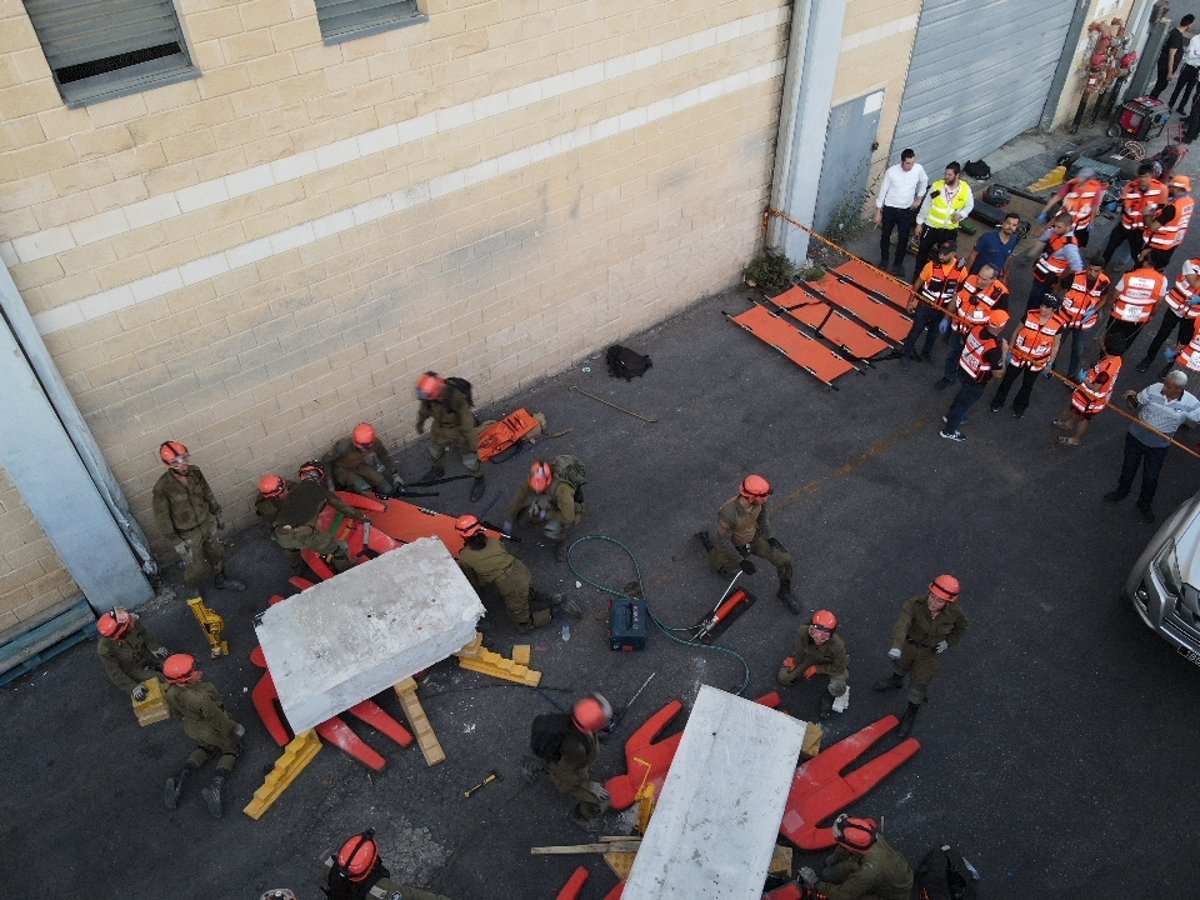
{"type": "Point", "coordinates": [1187, 553]}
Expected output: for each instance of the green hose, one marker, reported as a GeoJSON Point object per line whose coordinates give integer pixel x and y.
{"type": "Point", "coordinates": [669, 630]}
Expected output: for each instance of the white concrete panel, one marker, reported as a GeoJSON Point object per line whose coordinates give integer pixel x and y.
{"type": "Point", "coordinates": [345, 640]}
{"type": "Point", "coordinates": [715, 825]}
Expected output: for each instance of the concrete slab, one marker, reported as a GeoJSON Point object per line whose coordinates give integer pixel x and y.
{"type": "Point", "coordinates": [347, 639]}
{"type": "Point", "coordinates": [714, 828]}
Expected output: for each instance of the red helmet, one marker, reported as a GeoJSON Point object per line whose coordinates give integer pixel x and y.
{"type": "Point", "coordinates": [945, 587]}
{"type": "Point", "coordinates": [272, 486]}
{"type": "Point", "coordinates": [359, 856]}
{"type": "Point", "coordinates": [468, 526]}
{"type": "Point", "coordinates": [171, 451]}
{"type": "Point", "coordinates": [364, 435]}
{"type": "Point", "coordinates": [540, 476]}
{"type": "Point", "coordinates": [430, 386]}
{"type": "Point", "coordinates": [592, 713]}
{"type": "Point", "coordinates": [180, 668]}
{"type": "Point", "coordinates": [855, 834]}
{"type": "Point", "coordinates": [115, 623]}
{"type": "Point", "coordinates": [311, 471]}
{"type": "Point", "coordinates": [755, 487]}
{"type": "Point", "coordinates": [824, 620]}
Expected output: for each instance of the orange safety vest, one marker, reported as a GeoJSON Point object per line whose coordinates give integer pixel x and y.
{"type": "Point", "coordinates": [1081, 300]}
{"type": "Point", "coordinates": [1138, 203]}
{"type": "Point", "coordinates": [1091, 400]}
{"type": "Point", "coordinates": [1032, 346]}
{"type": "Point", "coordinates": [974, 360]}
{"type": "Point", "coordinates": [1144, 287]}
{"type": "Point", "coordinates": [942, 284]}
{"type": "Point", "coordinates": [974, 304]}
{"type": "Point", "coordinates": [1169, 235]}
{"type": "Point", "coordinates": [1182, 300]}
{"type": "Point", "coordinates": [1189, 356]}
{"type": "Point", "coordinates": [1049, 267]}
{"type": "Point", "coordinates": [1083, 201]}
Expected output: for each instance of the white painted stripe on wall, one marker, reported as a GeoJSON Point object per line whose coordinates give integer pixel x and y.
{"type": "Point", "coordinates": [87, 309]}
{"type": "Point", "coordinates": [879, 32]}
{"type": "Point", "coordinates": [209, 193]}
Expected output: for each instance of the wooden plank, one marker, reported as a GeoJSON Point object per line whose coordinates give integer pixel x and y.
{"type": "Point", "coordinates": [31, 643]}
{"type": "Point", "coordinates": [604, 847]}
{"type": "Point", "coordinates": [431, 747]}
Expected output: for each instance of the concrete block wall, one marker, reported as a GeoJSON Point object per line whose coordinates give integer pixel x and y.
{"type": "Point", "coordinates": [1068, 100]}
{"type": "Point", "coordinates": [255, 260]}
{"type": "Point", "coordinates": [33, 577]}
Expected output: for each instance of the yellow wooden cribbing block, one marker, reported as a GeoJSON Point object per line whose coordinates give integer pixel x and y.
{"type": "Point", "coordinates": [296, 756]}
{"type": "Point", "coordinates": [522, 653]}
{"type": "Point", "coordinates": [621, 862]}
{"type": "Point", "coordinates": [431, 748]}
{"type": "Point", "coordinates": [1051, 179]}
{"type": "Point", "coordinates": [781, 862]}
{"type": "Point", "coordinates": [154, 708]}
{"type": "Point", "coordinates": [813, 734]}
{"type": "Point", "coordinates": [476, 658]}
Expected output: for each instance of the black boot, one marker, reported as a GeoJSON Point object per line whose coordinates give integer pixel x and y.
{"type": "Point", "coordinates": [174, 787]}
{"type": "Point", "coordinates": [225, 583]}
{"type": "Point", "coordinates": [906, 720]}
{"type": "Point", "coordinates": [706, 539]}
{"type": "Point", "coordinates": [212, 796]}
{"type": "Point", "coordinates": [826, 705]}
{"type": "Point", "coordinates": [477, 489]}
{"type": "Point", "coordinates": [435, 472]}
{"type": "Point", "coordinates": [893, 682]}
{"type": "Point", "coordinates": [785, 594]}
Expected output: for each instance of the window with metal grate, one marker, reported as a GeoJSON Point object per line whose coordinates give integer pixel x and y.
{"type": "Point", "coordinates": [343, 20]}
{"type": "Point", "coordinates": [99, 49]}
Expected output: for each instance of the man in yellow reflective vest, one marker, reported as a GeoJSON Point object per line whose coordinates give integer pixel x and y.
{"type": "Point", "coordinates": [948, 202]}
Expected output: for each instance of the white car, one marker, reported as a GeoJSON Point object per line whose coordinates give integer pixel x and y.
{"type": "Point", "coordinates": [1164, 586]}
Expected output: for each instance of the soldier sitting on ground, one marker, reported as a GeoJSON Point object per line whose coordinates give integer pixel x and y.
{"type": "Point", "coordinates": [296, 525]}
{"type": "Point", "coordinates": [127, 652]}
{"type": "Point", "coordinates": [819, 652]}
{"type": "Point", "coordinates": [362, 464]}
{"type": "Point", "coordinates": [553, 498]}
{"type": "Point", "coordinates": [863, 867]}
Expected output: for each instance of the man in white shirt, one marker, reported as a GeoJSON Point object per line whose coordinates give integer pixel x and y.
{"type": "Point", "coordinates": [1164, 407]}
{"type": "Point", "coordinates": [1189, 73]}
{"type": "Point", "coordinates": [900, 197]}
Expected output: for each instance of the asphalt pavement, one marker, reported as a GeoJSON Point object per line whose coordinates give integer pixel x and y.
{"type": "Point", "coordinates": [1054, 745]}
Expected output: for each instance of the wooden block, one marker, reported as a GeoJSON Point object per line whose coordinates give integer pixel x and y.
{"type": "Point", "coordinates": [431, 747]}
{"type": "Point", "coordinates": [522, 653]}
{"type": "Point", "coordinates": [154, 708]}
{"type": "Point", "coordinates": [621, 863]}
{"type": "Point", "coordinates": [471, 650]}
{"type": "Point", "coordinates": [781, 862]}
{"type": "Point", "coordinates": [813, 735]}
{"type": "Point", "coordinates": [296, 756]}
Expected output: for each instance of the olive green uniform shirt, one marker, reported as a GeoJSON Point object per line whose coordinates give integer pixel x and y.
{"type": "Point", "coordinates": [129, 661]}
{"type": "Point", "coordinates": [572, 771]}
{"type": "Point", "coordinates": [918, 626]}
{"type": "Point", "coordinates": [487, 564]}
{"type": "Point", "coordinates": [881, 873]}
{"type": "Point", "coordinates": [453, 420]}
{"type": "Point", "coordinates": [737, 526]}
{"type": "Point", "coordinates": [204, 718]}
{"type": "Point", "coordinates": [830, 658]}
{"type": "Point", "coordinates": [182, 508]}
{"type": "Point", "coordinates": [558, 502]}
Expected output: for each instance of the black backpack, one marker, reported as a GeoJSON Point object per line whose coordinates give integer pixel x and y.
{"type": "Point", "coordinates": [463, 386]}
{"type": "Point", "coordinates": [943, 875]}
{"type": "Point", "coordinates": [547, 735]}
{"type": "Point", "coordinates": [625, 363]}
{"type": "Point", "coordinates": [978, 169]}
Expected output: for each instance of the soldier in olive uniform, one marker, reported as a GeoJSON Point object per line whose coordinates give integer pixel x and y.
{"type": "Point", "coordinates": [358, 873]}
{"type": "Point", "coordinates": [296, 523]}
{"type": "Point", "coordinates": [127, 653]}
{"type": "Point", "coordinates": [571, 773]}
{"type": "Point", "coordinates": [188, 514]}
{"type": "Point", "coordinates": [362, 464]}
{"type": "Point", "coordinates": [484, 561]}
{"type": "Point", "coordinates": [271, 491]}
{"type": "Point", "coordinates": [453, 427]}
{"type": "Point", "coordinates": [863, 867]}
{"type": "Point", "coordinates": [819, 652]}
{"type": "Point", "coordinates": [927, 627]}
{"type": "Point", "coordinates": [550, 501]}
{"type": "Point", "coordinates": [205, 721]}
{"type": "Point", "coordinates": [742, 529]}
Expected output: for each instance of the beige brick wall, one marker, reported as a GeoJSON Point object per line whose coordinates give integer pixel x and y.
{"type": "Point", "coordinates": [33, 578]}
{"type": "Point", "coordinates": [130, 225]}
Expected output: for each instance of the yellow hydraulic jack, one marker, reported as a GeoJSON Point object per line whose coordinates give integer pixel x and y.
{"type": "Point", "coordinates": [212, 625]}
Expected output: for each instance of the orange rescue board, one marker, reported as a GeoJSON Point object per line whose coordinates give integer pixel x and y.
{"type": "Point", "coordinates": [807, 352]}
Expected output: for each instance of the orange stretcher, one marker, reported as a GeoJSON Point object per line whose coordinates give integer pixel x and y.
{"type": "Point", "coordinates": [505, 434]}
{"type": "Point", "coordinates": [840, 328]}
{"type": "Point", "coordinates": [803, 349]}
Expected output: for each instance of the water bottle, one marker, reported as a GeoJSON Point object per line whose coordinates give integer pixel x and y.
{"type": "Point", "coordinates": [566, 631]}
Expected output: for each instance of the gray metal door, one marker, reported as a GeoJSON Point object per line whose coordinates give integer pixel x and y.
{"type": "Point", "coordinates": [980, 73]}
{"type": "Point", "coordinates": [849, 142]}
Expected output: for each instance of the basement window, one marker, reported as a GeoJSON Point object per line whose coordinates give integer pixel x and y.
{"type": "Point", "coordinates": [100, 49]}
{"type": "Point", "coordinates": [344, 20]}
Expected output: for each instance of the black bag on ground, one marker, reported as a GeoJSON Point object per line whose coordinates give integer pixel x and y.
{"type": "Point", "coordinates": [625, 363]}
{"type": "Point", "coordinates": [943, 875]}
{"type": "Point", "coordinates": [547, 734]}
{"type": "Point", "coordinates": [978, 169]}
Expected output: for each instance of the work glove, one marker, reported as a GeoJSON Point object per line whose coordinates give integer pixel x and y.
{"type": "Point", "coordinates": [599, 791]}
{"type": "Point", "coordinates": [1169, 353]}
{"type": "Point", "coordinates": [507, 527]}
{"type": "Point", "coordinates": [941, 647]}
{"type": "Point", "coordinates": [894, 654]}
{"type": "Point", "coordinates": [774, 542]}
{"type": "Point", "coordinates": [239, 731]}
{"type": "Point", "coordinates": [160, 652]}
{"type": "Point", "coordinates": [139, 693]}
{"type": "Point", "coordinates": [182, 549]}
{"type": "Point", "coordinates": [808, 875]}
{"type": "Point", "coordinates": [944, 325]}
{"type": "Point", "coordinates": [810, 672]}
{"type": "Point", "coordinates": [220, 522]}
{"type": "Point", "coordinates": [747, 567]}
{"type": "Point", "coordinates": [421, 427]}
{"type": "Point", "coordinates": [1042, 217]}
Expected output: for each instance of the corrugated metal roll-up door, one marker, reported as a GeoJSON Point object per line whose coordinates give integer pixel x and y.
{"type": "Point", "coordinates": [980, 74]}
